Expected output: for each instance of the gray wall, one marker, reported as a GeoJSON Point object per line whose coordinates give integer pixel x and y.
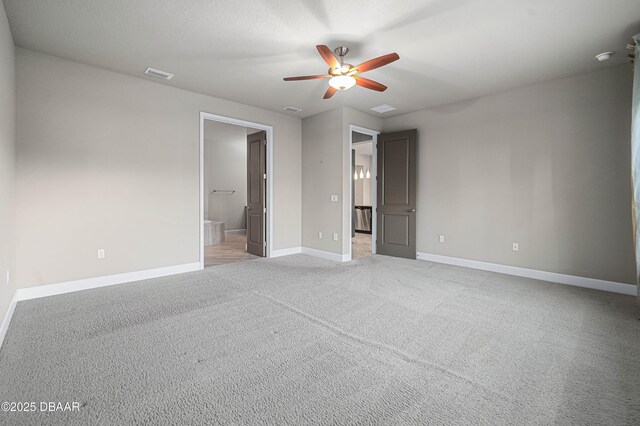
{"type": "Point", "coordinates": [7, 159]}
{"type": "Point", "coordinates": [545, 165]}
{"type": "Point", "coordinates": [225, 167]}
{"type": "Point", "coordinates": [321, 177]}
{"type": "Point", "coordinates": [326, 165]}
{"type": "Point", "coordinates": [110, 161]}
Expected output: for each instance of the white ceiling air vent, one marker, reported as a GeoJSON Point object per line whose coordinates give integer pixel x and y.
{"type": "Point", "coordinates": [292, 109]}
{"type": "Point", "coordinates": [158, 74]}
{"type": "Point", "coordinates": [383, 108]}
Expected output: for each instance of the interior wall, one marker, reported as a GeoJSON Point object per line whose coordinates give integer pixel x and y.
{"type": "Point", "coordinates": [225, 168]}
{"type": "Point", "coordinates": [7, 160]}
{"type": "Point", "coordinates": [322, 177]}
{"type": "Point", "coordinates": [545, 165]}
{"type": "Point", "coordinates": [326, 165]}
{"type": "Point", "coordinates": [111, 161]}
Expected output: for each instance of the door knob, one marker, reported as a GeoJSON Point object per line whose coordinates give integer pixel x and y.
{"type": "Point", "coordinates": [247, 208]}
{"type": "Point", "coordinates": [412, 211]}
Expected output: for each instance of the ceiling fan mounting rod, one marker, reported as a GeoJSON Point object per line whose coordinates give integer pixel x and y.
{"type": "Point", "coordinates": [341, 52]}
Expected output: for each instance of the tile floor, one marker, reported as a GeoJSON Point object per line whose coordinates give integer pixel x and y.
{"type": "Point", "coordinates": [231, 250]}
{"type": "Point", "coordinates": [360, 246]}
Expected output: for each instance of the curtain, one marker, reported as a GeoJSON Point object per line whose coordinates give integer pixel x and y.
{"type": "Point", "coordinates": [635, 153]}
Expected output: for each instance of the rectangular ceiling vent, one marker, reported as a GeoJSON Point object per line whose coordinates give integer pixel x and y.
{"type": "Point", "coordinates": [383, 108]}
{"type": "Point", "coordinates": [159, 74]}
{"type": "Point", "coordinates": [292, 109]}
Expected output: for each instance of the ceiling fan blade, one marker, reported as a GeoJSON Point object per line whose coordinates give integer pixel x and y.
{"type": "Point", "coordinates": [330, 92]}
{"type": "Point", "coordinates": [305, 77]}
{"type": "Point", "coordinates": [376, 63]}
{"type": "Point", "coordinates": [328, 56]}
{"type": "Point", "coordinates": [370, 84]}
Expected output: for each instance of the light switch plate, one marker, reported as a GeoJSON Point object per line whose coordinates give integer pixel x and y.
{"type": "Point", "coordinates": [101, 254]}
{"type": "Point", "coordinates": [335, 236]}
{"type": "Point", "coordinates": [334, 198]}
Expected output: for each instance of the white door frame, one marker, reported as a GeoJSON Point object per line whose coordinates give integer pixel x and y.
{"type": "Point", "coordinates": [269, 199]}
{"type": "Point", "coordinates": [374, 185]}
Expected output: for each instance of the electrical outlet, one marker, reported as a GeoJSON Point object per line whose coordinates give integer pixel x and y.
{"type": "Point", "coordinates": [515, 247]}
{"type": "Point", "coordinates": [334, 198]}
{"type": "Point", "coordinates": [101, 254]}
{"type": "Point", "coordinates": [335, 236]}
{"type": "Point", "coordinates": [320, 235]}
{"type": "Point", "coordinates": [442, 238]}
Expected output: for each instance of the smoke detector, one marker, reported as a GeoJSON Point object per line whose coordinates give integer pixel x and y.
{"type": "Point", "coordinates": [158, 74]}
{"type": "Point", "coordinates": [604, 56]}
{"type": "Point", "coordinates": [292, 109]}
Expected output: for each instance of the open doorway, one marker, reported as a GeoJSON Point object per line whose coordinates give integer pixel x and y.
{"type": "Point", "coordinates": [234, 191]}
{"type": "Point", "coordinates": [363, 192]}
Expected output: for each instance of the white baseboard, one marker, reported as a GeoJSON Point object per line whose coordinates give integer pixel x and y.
{"type": "Point", "coordinates": [603, 285]}
{"type": "Point", "coordinates": [286, 252]}
{"type": "Point", "coordinates": [7, 318]}
{"type": "Point", "coordinates": [107, 280]}
{"type": "Point", "coordinates": [326, 254]}
{"type": "Point", "coordinates": [89, 283]}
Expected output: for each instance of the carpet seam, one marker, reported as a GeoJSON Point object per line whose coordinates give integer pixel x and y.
{"type": "Point", "coordinates": [378, 345]}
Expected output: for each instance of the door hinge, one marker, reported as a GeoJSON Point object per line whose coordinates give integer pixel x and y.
{"type": "Point", "coordinates": [264, 210]}
{"type": "Point", "coordinates": [265, 176]}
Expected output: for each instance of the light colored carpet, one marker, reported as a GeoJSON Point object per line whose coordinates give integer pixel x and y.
{"type": "Point", "coordinates": [299, 340]}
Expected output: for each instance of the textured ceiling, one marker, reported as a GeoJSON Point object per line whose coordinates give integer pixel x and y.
{"type": "Point", "coordinates": [449, 50]}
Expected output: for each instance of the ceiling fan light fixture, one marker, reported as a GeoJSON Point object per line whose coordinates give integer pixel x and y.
{"type": "Point", "coordinates": [342, 82]}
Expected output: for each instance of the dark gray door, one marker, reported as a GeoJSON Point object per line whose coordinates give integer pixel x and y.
{"type": "Point", "coordinates": [256, 178]}
{"type": "Point", "coordinates": [396, 209]}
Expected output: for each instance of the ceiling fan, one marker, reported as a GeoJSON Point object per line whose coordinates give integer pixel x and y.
{"type": "Point", "coordinates": [344, 76]}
